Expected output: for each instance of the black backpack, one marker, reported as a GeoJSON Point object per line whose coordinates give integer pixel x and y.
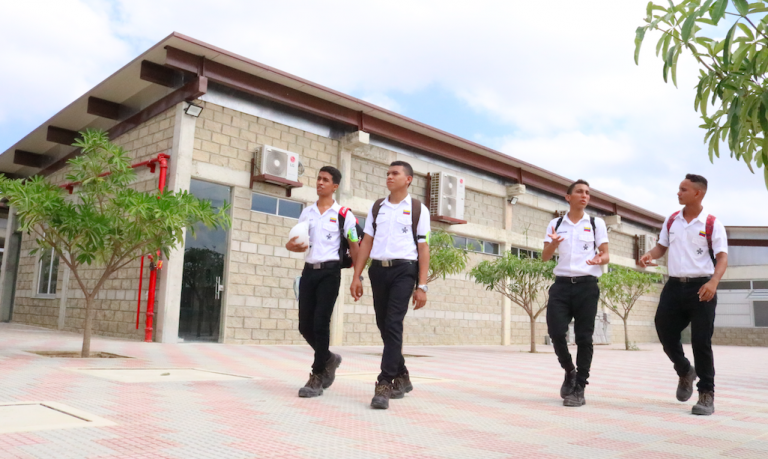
{"type": "Point", "coordinates": [344, 255]}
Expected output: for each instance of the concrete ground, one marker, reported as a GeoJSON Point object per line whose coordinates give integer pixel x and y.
{"type": "Point", "coordinates": [468, 402]}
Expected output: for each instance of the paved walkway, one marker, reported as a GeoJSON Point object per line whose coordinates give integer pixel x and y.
{"type": "Point", "coordinates": [481, 402]}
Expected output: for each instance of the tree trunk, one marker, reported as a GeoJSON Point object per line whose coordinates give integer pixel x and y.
{"type": "Point", "coordinates": [86, 352]}
{"type": "Point", "coordinates": [626, 336]}
{"type": "Point", "coordinates": [533, 334]}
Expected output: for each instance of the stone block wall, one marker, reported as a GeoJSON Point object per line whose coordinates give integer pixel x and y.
{"type": "Point", "coordinates": [369, 178]}
{"type": "Point", "coordinates": [484, 209]}
{"type": "Point", "coordinates": [531, 222]}
{"type": "Point", "coordinates": [740, 336]}
{"type": "Point", "coordinates": [229, 138]}
{"type": "Point", "coordinates": [117, 302]}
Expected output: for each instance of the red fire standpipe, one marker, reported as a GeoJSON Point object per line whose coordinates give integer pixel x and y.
{"type": "Point", "coordinates": [162, 159]}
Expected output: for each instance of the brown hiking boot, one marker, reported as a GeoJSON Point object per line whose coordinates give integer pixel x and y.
{"type": "Point", "coordinates": [381, 395]}
{"type": "Point", "coordinates": [685, 385]}
{"type": "Point", "coordinates": [569, 384]}
{"type": "Point", "coordinates": [329, 374]}
{"type": "Point", "coordinates": [401, 386]}
{"type": "Point", "coordinates": [313, 388]}
{"type": "Point", "coordinates": [706, 404]}
{"type": "Point", "coordinates": [575, 398]}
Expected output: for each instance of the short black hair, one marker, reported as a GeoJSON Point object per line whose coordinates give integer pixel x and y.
{"type": "Point", "coordinates": [406, 166]}
{"type": "Point", "coordinates": [573, 185]}
{"type": "Point", "coordinates": [701, 181]}
{"type": "Point", "coordinates": [335, 173]}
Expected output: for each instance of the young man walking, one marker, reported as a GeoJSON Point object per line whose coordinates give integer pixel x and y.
{"type": "Point", "coordinates": [397, 237]}
{"type": "Point", "coordinates": [698, 257]}
{"type": "Point", "coordinates": [321, 276]}
{"type": "Point", "coordinates": [582, 245]}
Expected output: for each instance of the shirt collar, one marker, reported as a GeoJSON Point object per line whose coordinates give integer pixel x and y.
{"type": "Point", "coordinates": [335, 207]}
{"type": "Point", "coordinates": [702, 216]}
{"type": "Point", "coordinates": [568, 219]}
{"type": "Point", "coordinates": [407, 200]}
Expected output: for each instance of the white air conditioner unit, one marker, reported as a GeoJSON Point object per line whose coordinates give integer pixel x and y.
{"type": "Point", "coordinates": [645, 243]}
{"type": "Point", "coordinates": [446, 196]}
{"type": "Point", "coordinates": [278, 163]}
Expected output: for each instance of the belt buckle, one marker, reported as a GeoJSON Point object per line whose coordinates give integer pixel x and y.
{"type": "Point", "coordinates": [573, 280]}
{"type": "Point", "coordinates": [317, 266]}
{"type": "Point", "coordinates": [386, 263]}
{"type": "Point", "coordinates": [685, 279]}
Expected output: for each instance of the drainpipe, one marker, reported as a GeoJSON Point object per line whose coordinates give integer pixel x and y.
{"type": "Point", "coordinates": [162, 160]}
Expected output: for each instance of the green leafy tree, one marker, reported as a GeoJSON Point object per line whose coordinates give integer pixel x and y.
{"type": "Point", "coordinates": [621, 288]}
{"type": "Point", "coordinates": [104, 225]}
{"type": "Point", "coordinates": [732, 70]}
{"type": "Point", "coordinates": [444, 257]}
{"type": "Point", "coordinates": [525, 281]}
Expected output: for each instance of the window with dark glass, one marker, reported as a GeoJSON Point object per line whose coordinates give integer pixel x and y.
{"type": "Point", "coordinates": [734, 285]}
{"type": "Point", "coordinates": [48, 273]}
{"type": "Point", "coordinates": [276, 206]}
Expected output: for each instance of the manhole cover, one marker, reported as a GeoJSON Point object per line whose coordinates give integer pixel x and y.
{"type": "Point", "coordinates": [76, 355]}
{"type": "Point", "coordinates": [371, 377]}
{"type": "Point", "coordinates": [146, 375]}
{"type": "Point", "coordinates": [32, 416]}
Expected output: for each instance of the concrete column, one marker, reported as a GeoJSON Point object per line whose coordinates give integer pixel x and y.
{"type": "Point", "coordinates": [63, 300]}
{"type": "Point", "coordinates": [168, 302]}
{"type": "Point", "coordinates": [7, 279]}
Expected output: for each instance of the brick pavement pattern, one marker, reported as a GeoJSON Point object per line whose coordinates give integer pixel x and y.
{"type": "Point", "coordinates": [482, 402]}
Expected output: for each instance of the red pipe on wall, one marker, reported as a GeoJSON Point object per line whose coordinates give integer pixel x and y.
{"type": "Point", "coordinates": [162, 159]}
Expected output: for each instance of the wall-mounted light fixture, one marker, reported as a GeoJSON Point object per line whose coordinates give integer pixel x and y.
{"type": "Point", "coordinates": [193, 110]}
{"type": "Point", "coordinates": [513, 200]}
{"type": "Point", "coordinates": [514, 192]}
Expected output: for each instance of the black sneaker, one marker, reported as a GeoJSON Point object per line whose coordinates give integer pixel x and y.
{"type": "Point", "coordinates": [329, 374]}
{"type": "Point", "coordinates": [575, 398]}
{"type": "Point", "coordinates": [401, 386]}
{"type": "Point", "coordinates": [685, 385]}
{"type": "Point", "coordinates": [569, 383]}
{"type": "Point", "coordinates": [381, 396]}
{"type": "Point", "coordinates": [313, 388]}
{"type": "Point", "coordinates": [706, 404]}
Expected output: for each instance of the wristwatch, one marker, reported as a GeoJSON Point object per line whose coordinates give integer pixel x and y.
{"type": "Point", "coordinates": [424, 288]}
{"type": "Point", "coordinates": [362, 278]}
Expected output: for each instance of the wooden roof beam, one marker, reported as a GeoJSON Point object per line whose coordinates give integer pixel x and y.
{"type": "Point", "coordinates": [29, 159]}
{"type": "Point", "coordinates": [160, 74]}
{"type": "Point", "coordinates": [105, 108]}
{"type": "Point", "coordinates": [61, 135]}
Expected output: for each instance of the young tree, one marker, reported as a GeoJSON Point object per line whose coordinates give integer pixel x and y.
{"type": "Point", "coordinates": [105, 224]}
{"type": "Point", "coordinates": [444, 257]}
{"type": "Point", "coordinates": [620, 289]}
{"type": "Point", "coordinates": [525, 281]}
{"type": "Point", "coordinates": [732, 70]}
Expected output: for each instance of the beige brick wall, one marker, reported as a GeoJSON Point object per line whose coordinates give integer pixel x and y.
{"type": "Point", "coordinates": [484, 209]}
{"type": "Point", "coordinates": [369, 178]}
{"type": "Point", "coordinates": [531, 222]}
{"type": "Point", "coordinates": [737, 336]}
{"type": "Point", "coordinates": [229, 138]}
{"type": "Point", "coordinates": [116, 307]}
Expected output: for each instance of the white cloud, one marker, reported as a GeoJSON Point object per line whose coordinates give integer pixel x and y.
{"type": "Point", "coordinates": [559, 74]}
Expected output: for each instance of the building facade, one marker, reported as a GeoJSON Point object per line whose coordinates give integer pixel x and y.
{"type": "Point", "coordinates": [236, 285]}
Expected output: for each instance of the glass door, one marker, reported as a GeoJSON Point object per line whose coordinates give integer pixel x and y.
{"type": "Point", "coordinates": [202, 282]}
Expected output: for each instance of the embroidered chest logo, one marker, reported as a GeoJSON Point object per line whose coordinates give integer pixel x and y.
{"type": "Point", "coordinates": [328, 236]}
{"type": "Point", "coordinates": [404, 230]}
{"type": "Point", "coordinates": [700, 251]}
{"type": "Point", "coordinates": [333, 220]}
{"type": "Point", "coordinates": [586, 246]}
{"type": "Point", "coordinates": [406, 212]}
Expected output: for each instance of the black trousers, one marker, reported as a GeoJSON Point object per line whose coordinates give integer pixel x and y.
{"type": "Point", "coordinates": [679, 306]}
{"type": "Point", "coordinates": [318, 290]}
{"type": "Point", "coordinates": [392, 289]}
{"type": "Point", "coordinates": [579, 302]}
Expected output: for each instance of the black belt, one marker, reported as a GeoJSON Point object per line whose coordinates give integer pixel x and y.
{"type": "Point", "coordinates": [390, 263]}
{"type": "Point", "coordinates": [693, 280]}
{"type": "Point", "coordinates": [323, 265]}
{"type": "Point", "coordinates": [575, 280]}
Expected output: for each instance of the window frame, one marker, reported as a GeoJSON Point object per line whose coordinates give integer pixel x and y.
{"type": "Point", "coordinates": [53, 268]}
{"type": "Point", "coordinates": [481, 242]}
{"type": "Point", "coordinates": [277, 205]}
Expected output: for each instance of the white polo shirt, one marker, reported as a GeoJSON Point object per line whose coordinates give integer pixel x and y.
{"type": "Point", "coordinates": [394, 230]}
{"type": "Point", "coordinates": [687, 243]}
{"type": "Point", "coordinates": [324, 234]}
{"type": "Point", "coordinates": [578, 245]}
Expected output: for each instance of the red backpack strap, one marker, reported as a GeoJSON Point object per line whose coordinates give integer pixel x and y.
{"type": "Point", "coordinates": [709, 229]}
{"type": "Point", "coordinates": [672, 220]}
{"type": "Point", "coordinates": [343, 211]}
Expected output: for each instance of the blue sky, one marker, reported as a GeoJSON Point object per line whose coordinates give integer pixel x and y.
{"type": "Point", "coordinates": [552, 83]}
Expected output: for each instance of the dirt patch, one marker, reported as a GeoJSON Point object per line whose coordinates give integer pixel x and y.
{"type": "Point", "coordinates": [76, 355]}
